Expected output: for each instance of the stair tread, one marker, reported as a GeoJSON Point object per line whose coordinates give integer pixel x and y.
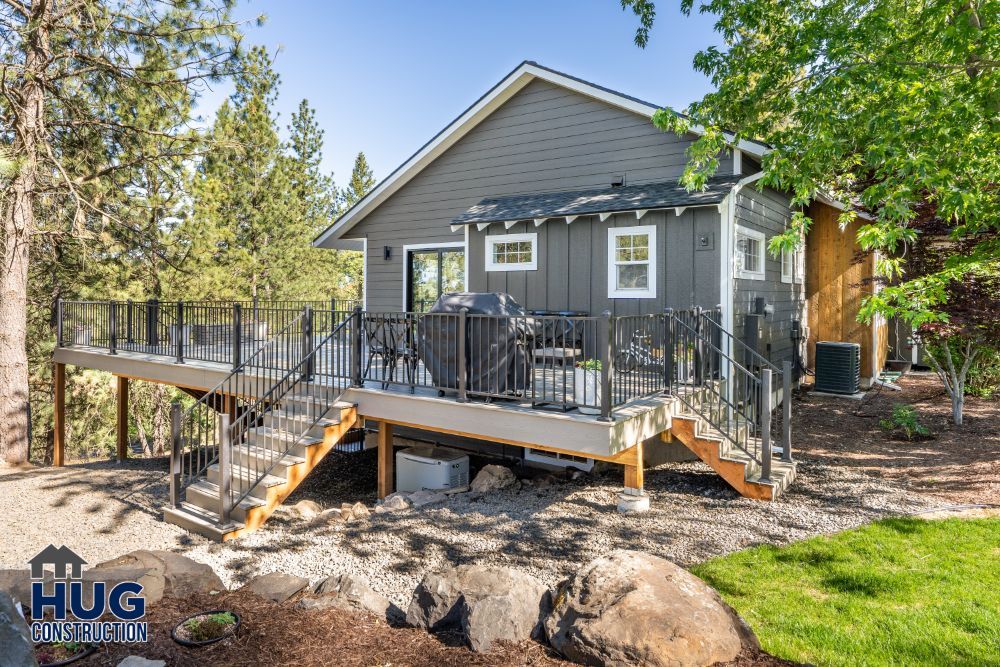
{"type": "Point", "coordinates": [282, 434]}
{"type": "Point", "coordinates": [322, 421]}
{"type": "Point", "coordinates": [246, 474]}
{"type": "Point", "coordinates": [212, 489]}
{"type": "Point", "coordinates": [263, 452]}
{"type": "Point", "coordinates": [204, 520]}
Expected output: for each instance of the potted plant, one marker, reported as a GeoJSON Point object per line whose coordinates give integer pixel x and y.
{"type": "Point", "coordinates": [206, 627]}
{"type": "Point", "coordinates": [53, 654]}
{"type": "Point", "coordinates": [587, 386]}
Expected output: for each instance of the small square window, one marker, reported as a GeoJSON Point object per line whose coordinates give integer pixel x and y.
{"type": "Point", "coordinates": [632, 262]}
{"type": "Point", "coordinates": [750, 260]}
{"type": "Point", "coordinates": [512, 252]}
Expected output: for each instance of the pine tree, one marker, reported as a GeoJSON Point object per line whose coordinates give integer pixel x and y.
{"type": "Point", "coordinates": [362, 181]}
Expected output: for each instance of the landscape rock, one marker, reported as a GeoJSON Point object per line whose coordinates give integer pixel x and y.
{"type": "Point", "coordinates": [485, 602]}
{"type": "Point", "coordinates": [165, 573]}
{"type": "Point", "coordinates": [334, 515]}
{"type": "Point", "coordinates": [305, 509]}
{"type": "Point", "coordinates": [16, 647]}
{"type": "Point", "coordinates": [492, 478]}
{"type": "Point", "coordinates": [352, 591]}
{"type": "Point", "coordinates": [139, 661]}
{"type": "Point", "coordinates": [355, 512]}
{"type": "Point", "coordinates": [631, 608]}
{"type": "Point", "coordinates": [276, 586]}
{"type": "Point", "coordinates": [393, 503]}
{"type": "Point", "coordinates": [421, 498]}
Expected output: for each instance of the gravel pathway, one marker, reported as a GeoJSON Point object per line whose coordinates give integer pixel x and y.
{"type": "Point", "coordinates": [103, 510]}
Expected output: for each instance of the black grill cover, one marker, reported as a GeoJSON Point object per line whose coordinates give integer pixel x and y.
{"type": "Point", "coordinates": [497, 362]}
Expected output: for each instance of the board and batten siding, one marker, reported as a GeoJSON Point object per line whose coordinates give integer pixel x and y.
{"type": "Point", "coordinates": [544, 139]}
{"type": "Point", "coordinates": [768, 211]}
{"type": "Point", "coordinates": [572, 271]}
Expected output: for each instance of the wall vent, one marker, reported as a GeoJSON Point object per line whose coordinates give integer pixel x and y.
{"type": "Point", "coordinates": [838, 367]}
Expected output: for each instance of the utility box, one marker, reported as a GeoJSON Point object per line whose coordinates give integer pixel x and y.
{"type": "Point", "coordinates": [431, 468]}
{"type": "Point", "coordinates": [838, 367]}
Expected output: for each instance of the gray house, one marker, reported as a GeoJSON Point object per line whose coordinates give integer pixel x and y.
{"type": "Point", "coordinates": [563, 194]}
{"type": "Point", "coordinates": [536, 282]}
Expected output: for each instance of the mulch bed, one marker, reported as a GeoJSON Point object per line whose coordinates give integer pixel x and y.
{"type": "Point", "coordinates": [958, 464]}
{"type": "Point", "coordinates": [274, 634]}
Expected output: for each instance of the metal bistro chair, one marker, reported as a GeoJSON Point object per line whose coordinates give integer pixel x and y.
{"type": "Point", "coordinates": [392, 341]}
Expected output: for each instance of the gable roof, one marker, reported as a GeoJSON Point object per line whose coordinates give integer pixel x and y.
{"type": "Point", "coordinates": [649, 196]}
{"type": "Point", "coordinates": [520, 77]}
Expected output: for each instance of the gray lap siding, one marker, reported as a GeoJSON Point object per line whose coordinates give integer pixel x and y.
{"type": "Point", "coordinates": [768, 212]}
{"type": "Point", "coordinates": [544, 139]}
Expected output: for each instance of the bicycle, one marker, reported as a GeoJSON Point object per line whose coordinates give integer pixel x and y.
{"type": "Point", "coordinates": [637, 355]}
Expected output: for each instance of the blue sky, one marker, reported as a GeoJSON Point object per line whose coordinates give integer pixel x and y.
{"type": "Point", "coordinates": [386, 75]}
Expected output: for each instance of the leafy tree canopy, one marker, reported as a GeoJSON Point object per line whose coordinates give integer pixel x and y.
{"type": "Point", "coordinates": [891, 104]}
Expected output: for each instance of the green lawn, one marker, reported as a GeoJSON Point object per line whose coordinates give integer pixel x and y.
{"type": "Point", "coordinates": [897, 592]}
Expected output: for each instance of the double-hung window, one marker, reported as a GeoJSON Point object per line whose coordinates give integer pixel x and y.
{"type": "Point", "coordinates": [750, 254]}
{"type": "Point", "coordinates": [793, 265]}
{"type": "Point", "coordinates": [512, 252]}
{"type": "Point", "coordinates": [632, 262]}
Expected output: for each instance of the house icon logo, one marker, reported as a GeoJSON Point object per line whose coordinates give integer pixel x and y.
{"type": "Point", "coordinates": [62, 559]}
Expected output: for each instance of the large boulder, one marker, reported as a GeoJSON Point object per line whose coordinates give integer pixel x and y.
{"type": "Point", "coordinates": [164, 574]}
{"type": "Point", "coordinates": [485, 602]}
{"type": "Point", "coordinates": [493, 478]}
{"type": "Point", "coordinates": [276, 586]}
{"type": "Point", "coordinates": [16, 647]}
{"type": "Point", "coordinates": [632, 608]}
{"type": "Point", "coordinates": [349, 591]}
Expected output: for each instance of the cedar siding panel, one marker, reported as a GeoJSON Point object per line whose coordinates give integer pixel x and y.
{"type": "Point", "coordinates": [544, 139]}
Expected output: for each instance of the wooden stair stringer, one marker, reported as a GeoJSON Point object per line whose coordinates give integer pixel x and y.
{"type": "Point", "coordinates": [295, 473]}
{"type": "Point", "coordinates": [709, 450]}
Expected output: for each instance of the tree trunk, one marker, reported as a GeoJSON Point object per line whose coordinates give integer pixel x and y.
{"type": "Point", "coordinates": [18, 226]}
{"type": "Point", "coordinates": [957, 407]}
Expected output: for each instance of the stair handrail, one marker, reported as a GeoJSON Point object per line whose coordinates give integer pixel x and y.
{"type": "Point", "coordinates": [697, 369]}
{"type": "Point", "coordinates": [302, 376]}
{"type": "Point", "coordinates": [197, 426]}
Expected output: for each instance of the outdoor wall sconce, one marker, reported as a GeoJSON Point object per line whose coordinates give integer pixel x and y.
{"type": "Point", "coordinates": [387, 252]}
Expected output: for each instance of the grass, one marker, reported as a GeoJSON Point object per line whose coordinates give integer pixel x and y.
{"type": "Point", "coordinates": [896, 592]}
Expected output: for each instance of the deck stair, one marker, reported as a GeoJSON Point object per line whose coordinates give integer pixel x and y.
{"type": "Point", "coordinates": [232, 465]}
{"type": "Point", "coordinates": [740, 470]}
{"type": "Point", "coordinates": [728, 398]}
{"type": "Point", "coordinates": [198, 512]}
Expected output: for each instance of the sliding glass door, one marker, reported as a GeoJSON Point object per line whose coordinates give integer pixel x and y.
{"type": "Point", "coordinates": [430, 272]}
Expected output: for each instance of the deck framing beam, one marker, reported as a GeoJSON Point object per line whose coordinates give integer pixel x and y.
{"type": "Point", "coordinates": [634, 471]}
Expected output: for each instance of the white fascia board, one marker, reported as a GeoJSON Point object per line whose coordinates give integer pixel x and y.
{"type": "Point", "coordinates": [478, 112]}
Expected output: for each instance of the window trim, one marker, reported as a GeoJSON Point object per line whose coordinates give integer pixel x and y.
{"type": "Point", "coordinates": [762, 254]}
{"type": "Point", "coordinates": [614, 292]}
{"type": "Point", "coordinates": [493, 239]}
{"type": "Point", "coordinates": [789, 256]}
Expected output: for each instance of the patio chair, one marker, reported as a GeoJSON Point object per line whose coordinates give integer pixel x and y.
{"type": "Point", "coordinates": [391, 340]}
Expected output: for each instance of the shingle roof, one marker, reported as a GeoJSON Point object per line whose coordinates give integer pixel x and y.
{"type": "Point", "coordinates": [590, 202]}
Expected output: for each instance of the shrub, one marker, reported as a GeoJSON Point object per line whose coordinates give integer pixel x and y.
{"type": "Point", "coordinates": [984, 376]}
{"type": "Point", "coordinates": [904, 419]}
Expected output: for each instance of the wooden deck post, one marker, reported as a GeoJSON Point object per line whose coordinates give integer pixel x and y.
{"type": "Point", "coordinates": [385, 459]}
{"type": "Point", "coordinates": [634, 472]}
{"type": "Point", "coordinates": [122, 417]}
{"type": "Point", "coordinates": [59, 420]}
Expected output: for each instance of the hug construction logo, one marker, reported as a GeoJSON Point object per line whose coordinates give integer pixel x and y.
{"type": "Point", "coordinates": [73, 618]}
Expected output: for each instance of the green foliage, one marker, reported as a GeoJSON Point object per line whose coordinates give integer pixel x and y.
{"type": "Point", "coordinates": [896, 592]}
{"type": "Point", "coordinates": [589, 365]}
{"type": "Point", "coordinates": [362, 181]}
{"type": "Point", "coordinates": [984, 376]}
{"type": "Point", "coordinates": [892, 104]}
{"type": "Point", "coordinates": [905, 419]}
{"type": "Point", "coordinates": [210, 626]}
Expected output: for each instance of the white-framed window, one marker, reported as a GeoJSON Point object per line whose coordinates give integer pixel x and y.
{"type": "Point", "coordinates": [750, 254]}
{"type": "Point", "coordinates": [512, 252]}
{"type": "Point", "coordinates": [793, 264]}
{"type": "Point", "coordinates": [632, 262]}
{"type": "Point", "coordinates": [787, 265]}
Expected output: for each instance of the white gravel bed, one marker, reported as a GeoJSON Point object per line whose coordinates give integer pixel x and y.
{"type": "Point", "coordinates": [104, 510]}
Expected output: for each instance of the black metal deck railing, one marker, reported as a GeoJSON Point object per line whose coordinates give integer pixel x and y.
{"type": "Point", "coordinates": [595, 364]}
